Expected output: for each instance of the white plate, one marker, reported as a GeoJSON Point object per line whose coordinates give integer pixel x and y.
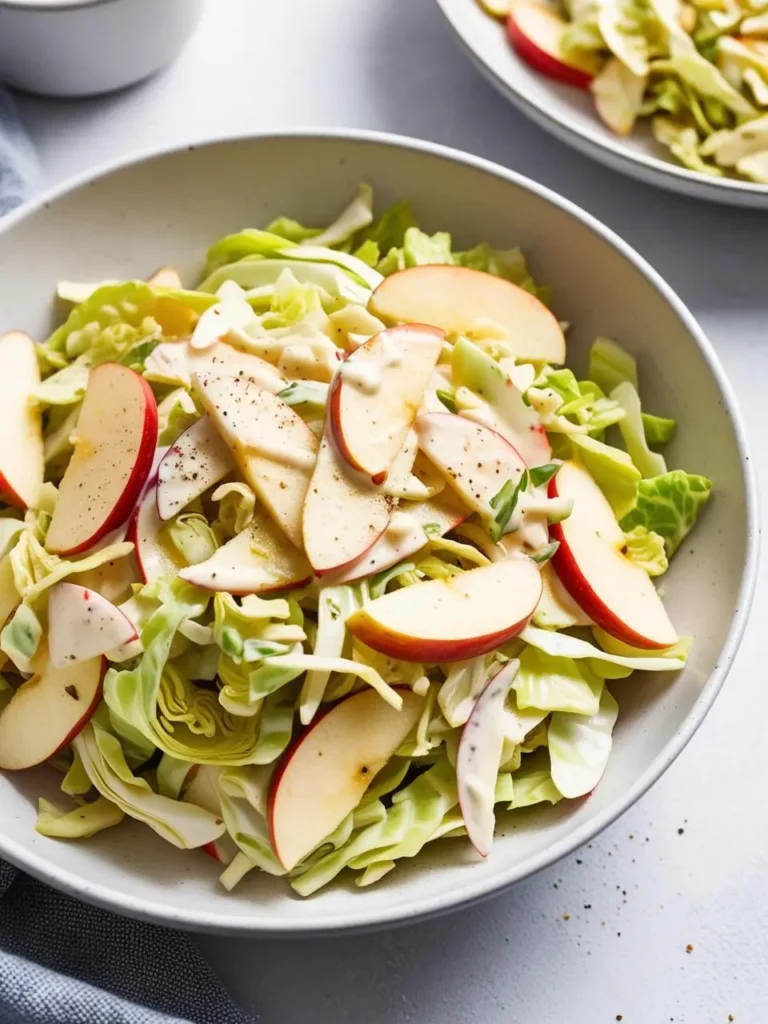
{"type": "Point", "coordinates": [569, 114]}
{"type": "Point", "coordinates": [134, 217]}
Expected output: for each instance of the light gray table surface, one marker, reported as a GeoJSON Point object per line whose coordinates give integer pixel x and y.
{"type": "Point", "coordinates": [607, 934]}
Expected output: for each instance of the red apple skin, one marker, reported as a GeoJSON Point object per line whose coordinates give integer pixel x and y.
{"type": "Point", "coordinates": [334, 418]}
{"type": "Point", "coordinates": [9, 496]}
{"type": "Point", "coordinates": [582, 593]}
{"type": "Point", "coordinates": [136, 481]}
{"type": "Point", "coordinates": [544, 62]}
{"type": "Point", "coordinates": [420, 650]}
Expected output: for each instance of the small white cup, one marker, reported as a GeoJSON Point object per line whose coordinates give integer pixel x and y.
{"type": "Point", "coordinates": [86, 47]}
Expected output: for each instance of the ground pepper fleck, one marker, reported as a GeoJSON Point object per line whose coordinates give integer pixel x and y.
{"type": "Point", "coordinates": [689, 948]}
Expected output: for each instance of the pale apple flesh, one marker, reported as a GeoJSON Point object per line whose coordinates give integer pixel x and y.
{"type": "Point", "coordinates": [343, 515]}
{"type": "Point", "coordinates": [174, 362]}
{"type": "Point", "coordinates": [21, 457]}
{"type": "Point", "coordinates": [325, 774]}
{"type": "Point", "coordinates": [154, 557]}
{"type": "Point", "coordinates": [536, 32]}
{"type": "Point", "coordinates": [198, 459]}
{"type": "Point", "coordinates": [259, 560]}
{"type": "Point", "coordinates": [478, 758]}
{"type": "Point", "coordinates": [165, 277]}
{"type": "Point", "coordinates": [83, 625]}
{"type": "Point", "coordinates": [409, 529]}
{"type": "Point", "coordinates": [459, 300]}
{"type": "Point", "coordinates": [475, 460]}
{"type": "Point", "coordinates": [112, 458]}
{"type": "Point", "coordinates": [202, 788]}
{"type": "Point", "coordinates": [376, 393]}
{"type": "Point", "coordinates": [48, 711]}
{"type": "Point", "coordinates": [452, 619]}
{"type": "Point", "coordinates": [590, 562]}
{"type": "Point", "coordinates": [273, 447]}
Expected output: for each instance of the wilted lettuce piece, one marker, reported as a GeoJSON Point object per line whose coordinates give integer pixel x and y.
{"type": "Point", "coordinates": [555, 684]}
{"type": "Point", "coordinates": [355, 217]}
{"type": "Point", "coordinates": [192, 537]}
{"type": "Point", "coordinates": [21, 637]}
{"type": "Point", "coordinates": [532, 782]}
{"type": "Point", "coordinates": [243, 793]}
{"type": "Point", "coordinates": [668, 13]}
{"type": "Point", "coordinates": [388, 232]}
{"type": "Point", "coordinates": [618, 94]}
{"type": "Point", "coordinates": [79, 823]}
{"type": "Point", "coordinates": [728, 147]}
{"type": "Point", "coordinates": [632, 431]}
{"type": "Point", "coordinates": [35, 569]}
{"type": "Point", "coordinates": [706, 80]}
{"type": "Point", "coordinates": [622, 26]}
{"type": "Point", "coordinates": [561, 645]}
{"type": "Point", "coordinates": [754, 167]}
{"type": "Point", "coordinates": [579, 747]}
{"type": "Point", "coordinates": [232, 248]}
{"type": "Point", "coordinates": [610, 365]}
{"type": "Point", "coordinates": [658, 430]}
{"type": "Point", "coordinates": [677, 652]}
{"type": "Point", "coordinates": [611, 469]}
{"type": "Point", "coordinates": [291, 230]}
{"type": "Point", "coordinates": [183, 824]}
{"type": "Point", "coordinates": [646, 549]}
{"type": "Point", "coordinates": [175, 413]}
{"type": "Point", "coordinates": [420, 248]}
{"type": "Point", "coordinates": [669, 505]}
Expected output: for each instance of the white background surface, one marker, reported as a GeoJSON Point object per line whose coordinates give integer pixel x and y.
{"type": "Point", "coordinates": [644, 891]}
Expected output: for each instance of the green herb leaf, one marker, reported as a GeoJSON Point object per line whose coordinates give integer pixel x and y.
{"type": "Point", "coordinates": [446, 397]}
{"type": "Point", "coordinates": [432, 529]}
{"type": "Point", "coordinates": [505, 503]}
{"type": "Point", "coordinates": [543, 474]}
{"type": "Point", "coordinates": [543, 555]}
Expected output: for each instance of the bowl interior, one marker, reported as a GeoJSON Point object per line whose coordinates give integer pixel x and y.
{"type": "Point", "coordinates": [570, 114]}
{"type": "Point", "coordinates": [168, 209]}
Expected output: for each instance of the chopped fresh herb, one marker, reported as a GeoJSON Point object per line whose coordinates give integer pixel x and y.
{"type": "Point", "coordinates": [543, 474]}
{"type": "Point", "coordinates": [432, 529]}
{"type": "Point", "coordinates": [543, 555]}
{"type": "Point", "coordinates": [504, 504]}
{"type": "Point", "coordinates": [333, 608]}
{"type": "Point", "coordinates": [304, 392]}
{"type": "Point", "coordinates": [448, 400]}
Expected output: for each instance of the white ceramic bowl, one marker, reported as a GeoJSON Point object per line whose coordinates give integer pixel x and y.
{"type": "Point", "coordinates": [168, 208]}
{"type": "Point", "coordinates": [85, 47]}
{"type": "Point", "coordinates": [569, 114]}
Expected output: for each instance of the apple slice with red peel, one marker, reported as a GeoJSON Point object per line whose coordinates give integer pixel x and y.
{"type": "Point", "coordinates": [21, 458]}
{"type": "Point", "coordinates": [536, 32]}
{"type": "Point", "coordinates": [451, 619]}
{"type": "Point", "coordinates": [113, 451]}
{"type": "Point", "coordinates": [343, 514]}
{"type": "Point", "coordinates": [272, 445]}
{"type": "Point", "coordinates": [478, 758]}
{"type": "Point", "coordinates": [153, 557]}
{"type": "Point", "coordinates": [196, 460]}
{"type": "Point", "coordinates": [83, 625]}
{"type": "Point", "coordinates": [405, 535]}
{"type": "Point", "coordinates": [458, 299]}
{"type": "Point", "coordinates": [475, 460]}
{"type": "Point", "coordinates": [590, 562]}
{"type": "Point", "coordinates": [165, 277]}
{"type": "Point", "coordinates": [325, 773]}
{"type": "Point", "coordinates": [48, 711]}
{"type": "Point", "coordinates": [259, 560]}
{"type": "Point", "coordinates": [376, 393]}
{"type": "Point", "coordinates": [202, 788]}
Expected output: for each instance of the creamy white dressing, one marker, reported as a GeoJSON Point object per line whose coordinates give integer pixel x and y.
{"type": "Point", "coordinates": [230, 314]}
{"type": "Point", "coordinates": [401, 524]}
{"type": "Point", "coordinates": [367, 374]}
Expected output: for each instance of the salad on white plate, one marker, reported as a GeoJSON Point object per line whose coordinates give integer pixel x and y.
{"type": "Point", "coordinates": [697, 70]}
{"type": "Point", "coordinates": [328, 557]}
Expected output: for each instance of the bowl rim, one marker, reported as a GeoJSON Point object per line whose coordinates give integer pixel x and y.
{"type": "Point", "coordinates": [52, 5]}
{"type": "Point", "coordinates": [608, 150]}
{"type": "Point", "coordinates": [223, 923]}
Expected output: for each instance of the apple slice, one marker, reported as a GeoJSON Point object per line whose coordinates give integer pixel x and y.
{"type": "Point", "coordinates": [174, 362]}
{"type": "Point", "coordinates": [325, 774]}
{"type": "Point", "coordinates": [457, 300]}
{"type": "Point", "coordinates": [113, 580]}
{"type": "Point", "coordinates": [258, 560]}
{"type": "Point", "coordinates": [343, 514]}
{"type": "Point", "coordinates": [476, 461]}
{"type": "Point", "coordinates": [590, 562]}
{"type": "Point", "coordinates": [451, 619]}
{"type": "Point", "coordinates": [21, 459]}
{"type": "Point", "coordinates": [197, 460]}
{"type": "Point", "coordinates": [405, 535]}
{"type": "Point", "coordinates": [153, 557]}
{"type": "Point", "coordinates": [376, 393]}
{"type": "Point", "coordinates": [202, 788]}
{"type": "Point", "coordinates": [48, 711]}
{"type": "Point", "coordinates": [508, 414]}
{"type": "Point", "coordinates": [165, 277]}
{"type": "Point", "coordinates": [113, 451]}
{"type": "Point", "coordinates": [272, 445]}
{"type": "Point", "coordinates": [536, 32]}
{"type": "Point", "coordinates": [478, 758]}
{"type": "Point", "coordinates": [82, 625]}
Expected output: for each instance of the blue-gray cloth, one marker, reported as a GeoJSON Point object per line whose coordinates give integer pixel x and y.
{"type": "Point", "coordinates": [62, 962]}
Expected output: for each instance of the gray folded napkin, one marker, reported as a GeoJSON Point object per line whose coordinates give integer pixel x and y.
{"type": "Point", "coordinates": [62, 962]}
